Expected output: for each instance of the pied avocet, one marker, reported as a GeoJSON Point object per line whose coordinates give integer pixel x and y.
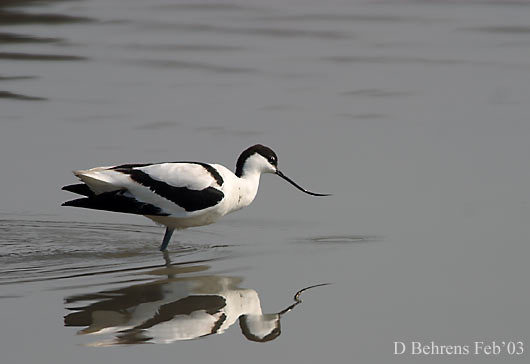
{"type": "Point", "coordinates": [177, 194]}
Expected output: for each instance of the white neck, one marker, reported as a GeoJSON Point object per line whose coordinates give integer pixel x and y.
{"type": "Point", "coordinates": [248, 183]}
{"type": "Point", "coordinates": [248, 188]}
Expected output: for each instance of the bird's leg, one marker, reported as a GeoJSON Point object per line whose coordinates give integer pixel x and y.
{"type": "Point", "coordinates": [167, 259]}
{"type": "Point", "coordinates": [167, 237]}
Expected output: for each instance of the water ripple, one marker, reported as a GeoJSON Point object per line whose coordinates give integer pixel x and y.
{"type": "Point", "coordinates": [185, 47]}
{"type": "Point", "coordinates": [19, 56]}
{"type": "Point", "coordinates": [191, 65]}
{"type": "Point", "coordinates": [17, 78]}
{"type": "Point", "coordinates": [214, 6]}
{"type": "Point", "coordinates": [14, 38]}
{"type": "Point", "coordinates": [345, 239]}
{"type": "Point", "coordinates": [260, 31]}
{"type": "Point", "coordinates": [14, 96]}
{"type": "Point", "coordinates": [9, 17]}
{"type": "Point", "coordinates": [349, 18]}
{"type": "Point", "coordinates": [503, 29]}
{"type": "Point", "coordinates": [49, 250]}
{"type": "Point", "coordinates": [374, 92]}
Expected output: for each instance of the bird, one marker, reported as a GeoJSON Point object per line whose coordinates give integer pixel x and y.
{"type": "Point", "coordinates": [177, 195]}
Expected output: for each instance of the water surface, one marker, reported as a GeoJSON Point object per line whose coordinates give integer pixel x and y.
{"type": "Point", "coordinates": [414, 114]}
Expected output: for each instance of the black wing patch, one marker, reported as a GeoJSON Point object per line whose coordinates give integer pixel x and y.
{"type": "Point", "coordinates": [80, 189]}
{"type": "Point", "coordinates": [127, 168]}
{"type": "Point", "coordinates": [218, 178]}
{"type": "Point", "coordinates": [189, 200]}
{"type": "Point", "coordinates": [117, 201]}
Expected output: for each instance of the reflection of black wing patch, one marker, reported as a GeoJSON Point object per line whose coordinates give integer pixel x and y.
{"type": "Point", "coordinates": [211, 304]}
{"type": "Point", "coordinates": [117, 201]}
{"type": "Point", "coordinates": [189, 200]}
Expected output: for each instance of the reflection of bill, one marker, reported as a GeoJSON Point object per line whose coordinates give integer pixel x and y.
{"type": "Point", "coordinates": [266, 327]}
{"type": "Point", "coordinates": [175, 308]}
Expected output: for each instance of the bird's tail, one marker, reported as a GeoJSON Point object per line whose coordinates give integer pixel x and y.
{"type": "Point", "coordinates": [116, 201]}
{"type": "Point", "coordinates": [80, 189]}
{"type": "Point", "coordinates": [99, 180]}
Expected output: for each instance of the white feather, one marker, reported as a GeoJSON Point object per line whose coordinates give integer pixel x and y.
{"type": "Point", "coordinates": [102, 179]}
{"type": "Point", "coordinates": [190, 175]}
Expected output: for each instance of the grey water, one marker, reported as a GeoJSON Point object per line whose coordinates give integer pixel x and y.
{"type": "Point", "coordinates": [414, 114]}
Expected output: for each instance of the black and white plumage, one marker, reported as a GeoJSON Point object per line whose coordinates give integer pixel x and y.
{"type": "Point", "coordinates": [177, 194]}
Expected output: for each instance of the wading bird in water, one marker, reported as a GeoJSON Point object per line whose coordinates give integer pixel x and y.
{"type": "Point", "coordinates": [177, 195]}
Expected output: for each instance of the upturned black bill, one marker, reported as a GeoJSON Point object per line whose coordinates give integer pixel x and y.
{"type": "Point", "coordinates": [300, 188]}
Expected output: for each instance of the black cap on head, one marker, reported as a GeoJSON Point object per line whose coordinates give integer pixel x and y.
{"type": "Point", "coordinates": [271, 157]}
{"type": "Point", "coordinates": [264, 151]}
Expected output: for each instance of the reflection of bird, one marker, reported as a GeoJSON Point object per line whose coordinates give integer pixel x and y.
{"type": "Point", "coordinates": [266, 327]}
{"type": "Point", "coordinates": [178, 194]}
{"type": "Point", "coordinates": [176, 309]}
